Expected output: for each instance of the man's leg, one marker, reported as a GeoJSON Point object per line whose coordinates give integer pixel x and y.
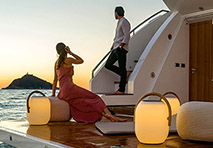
{"type": "Point", "coordinates": [110, 61]}
{"type": "Point", "coordinates": [122, 67]}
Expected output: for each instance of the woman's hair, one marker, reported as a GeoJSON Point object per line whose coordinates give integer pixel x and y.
{"type": "Point", "coordinates": [120, 11]}
{"type": "Point", "coordinates": [60, 47]}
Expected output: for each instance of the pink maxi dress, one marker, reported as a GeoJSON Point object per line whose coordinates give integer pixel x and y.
{"type": "Point", "coordinates": [85, 106]}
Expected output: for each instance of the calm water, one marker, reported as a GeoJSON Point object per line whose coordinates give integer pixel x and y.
{"type": "Point", "coordinates": [13, 105]}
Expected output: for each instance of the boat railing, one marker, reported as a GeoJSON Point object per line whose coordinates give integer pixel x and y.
{"type": "Point", "coordinates": [133, 32]}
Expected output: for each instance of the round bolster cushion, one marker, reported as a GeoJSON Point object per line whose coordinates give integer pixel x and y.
{"type": "Point", "coordinates": [60, 110]}
{"type": "Point", "coordinates": [195, 121]}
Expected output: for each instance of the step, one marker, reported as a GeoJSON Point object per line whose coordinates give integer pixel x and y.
{"type": "Point", "coordinates": [110, 94]}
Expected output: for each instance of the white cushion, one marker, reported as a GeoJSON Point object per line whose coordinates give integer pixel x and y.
{"type": "Point", "coordinates": [60, 110]}
{"type": "Point", "coordinates": [109, 128]}
{"type": "Point", "coordinates": [195, 121]}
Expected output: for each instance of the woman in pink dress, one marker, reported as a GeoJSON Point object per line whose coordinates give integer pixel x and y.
{"type": "Point", "coordinates": [85, 106]}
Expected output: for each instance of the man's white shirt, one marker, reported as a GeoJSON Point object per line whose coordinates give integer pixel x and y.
{"type": "Point", "coordinates": [122, 34]}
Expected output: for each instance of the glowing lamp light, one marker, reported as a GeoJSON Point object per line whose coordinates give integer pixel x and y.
{"type": "Point", "coordinates": [38, 109]}
{"type": "Point", "coordinates": [152, 119]}
{"type": "Point", "coordinates": [140, 145]}
{"type": "Point", "coordinates": [174, 101]}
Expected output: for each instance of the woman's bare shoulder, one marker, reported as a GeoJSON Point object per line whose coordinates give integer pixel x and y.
{"type": "Point", "coordinates": [56, 62]}
{"type": "Point", "coordinates": [69, 60]}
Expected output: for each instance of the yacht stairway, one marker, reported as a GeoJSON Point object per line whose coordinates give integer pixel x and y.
{"type": "Point", "coordinates": [104, 82]}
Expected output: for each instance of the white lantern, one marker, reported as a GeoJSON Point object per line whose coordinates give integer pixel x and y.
{"type": "Point", "coordinates": [38, 109]}
{"type": "Point", "coordinates": [42, 109]}
{"type": "Point", "coordinates": [174, 101]}
{"type": "Point", "coordinates": [152, 119]}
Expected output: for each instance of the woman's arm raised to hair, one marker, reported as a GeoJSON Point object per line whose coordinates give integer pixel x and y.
{"type": "Point", "coordinates": [54, 81]}
{"type": "Point", "coordinates": [77, 60]}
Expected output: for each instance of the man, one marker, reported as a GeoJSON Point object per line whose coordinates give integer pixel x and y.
{"type": "Point", "coordinates": [120, 49]}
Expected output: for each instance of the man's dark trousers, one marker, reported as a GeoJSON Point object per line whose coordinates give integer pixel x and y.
{"type": "Point", "coordinates": [119, 55]}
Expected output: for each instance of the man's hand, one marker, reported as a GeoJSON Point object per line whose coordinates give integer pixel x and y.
{"type": "Point", "coordinates": [122, 45]}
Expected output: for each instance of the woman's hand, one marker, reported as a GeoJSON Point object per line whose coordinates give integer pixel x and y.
{"type": "Point", "coordinates": [67, 49]}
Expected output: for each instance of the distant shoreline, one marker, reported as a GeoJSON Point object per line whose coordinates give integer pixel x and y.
{"type": "Point", "coordinates": [29, 81]}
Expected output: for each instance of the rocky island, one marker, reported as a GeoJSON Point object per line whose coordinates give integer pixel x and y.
{"type": "Point", "coordinates": [29, 81]}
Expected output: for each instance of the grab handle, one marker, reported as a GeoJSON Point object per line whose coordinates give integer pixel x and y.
{"type": "Point", "coordinates": [161, 98]}
{"type": "Point", "coordinates": [170, 92]}
{"type": "Point", "coordinates": [28, 107]}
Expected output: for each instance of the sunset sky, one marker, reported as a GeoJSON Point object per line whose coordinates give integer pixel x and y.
{"type": "Point", "coordinates": [30, 30]}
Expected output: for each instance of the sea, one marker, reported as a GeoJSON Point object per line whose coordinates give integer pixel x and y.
{"type": "Point", "coordinates": [13, 105]}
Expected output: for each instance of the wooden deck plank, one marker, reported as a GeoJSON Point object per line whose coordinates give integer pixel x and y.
{"type": "Point", "coordinates": [86, 135]}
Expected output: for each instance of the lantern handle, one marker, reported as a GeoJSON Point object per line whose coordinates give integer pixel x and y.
{"type": "Point", "coordinates": [169, 109]}
{"type": "Point", "coordinates": [161, 98]}
{"type": "Point", "coordinates": [28, 107]}
{"type": "Point", "coordinates": [170, 92]}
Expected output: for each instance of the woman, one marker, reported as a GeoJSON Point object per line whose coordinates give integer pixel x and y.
{"type": "Point", "coordinates": [85, 106]}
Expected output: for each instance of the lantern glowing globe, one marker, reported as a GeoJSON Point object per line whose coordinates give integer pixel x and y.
{"type": "Point", "coordinates": [38, 109]}
{"type": "Point", "coordinates": [174, 101]}
{"type": "Point", "coordinates": [152, 119]}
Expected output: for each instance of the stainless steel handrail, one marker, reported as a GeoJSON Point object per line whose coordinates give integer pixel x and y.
{"type": "Point", "coordinates": [100, 63]}
{"type": "Point", "coordinates": [132, 31]}
{"type": "Point", "coordinates": [148, 19]}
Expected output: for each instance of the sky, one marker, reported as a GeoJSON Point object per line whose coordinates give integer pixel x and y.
{"type": "Point", "coordinates": [30, 30]}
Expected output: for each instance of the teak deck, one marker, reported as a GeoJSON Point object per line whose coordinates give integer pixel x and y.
{"type": "Point", "coordinates": [82, 135]}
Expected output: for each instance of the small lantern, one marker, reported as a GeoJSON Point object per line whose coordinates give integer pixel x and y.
{"type": "Point", "coordinates": [152, 119]}
{"type": "Point", "coordinates": [42, 109]}
{"type": "Point", "coordinates": [38, 109]}
{"type": "Point", "coordinates": [174, 101]}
